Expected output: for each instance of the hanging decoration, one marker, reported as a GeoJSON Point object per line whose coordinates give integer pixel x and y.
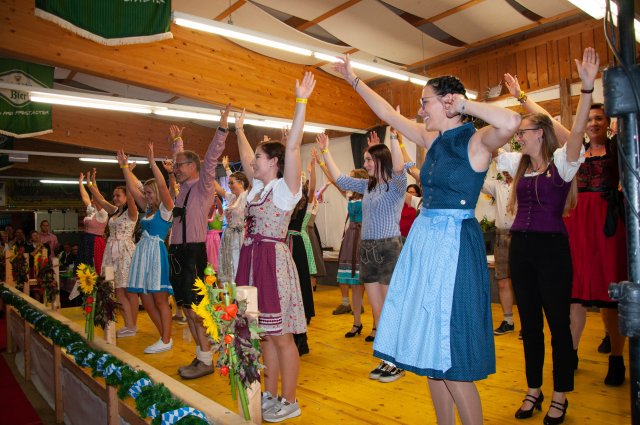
{"type": "Point", "coordinates": [236, 335]}
{"type": "Point", "coordinates": [46, 280]}
{"type": "Point", "coordinates": [20, 268]}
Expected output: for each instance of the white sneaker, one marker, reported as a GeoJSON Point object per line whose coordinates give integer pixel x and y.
{"type": "Point", "coordinates": [268, 401]}
{"type": "Point", "coordinates": [159, 347]}
{"type": "Point", "coordinates": [285, 411]}
{"type": "Point", "coordinates": [125, 332]}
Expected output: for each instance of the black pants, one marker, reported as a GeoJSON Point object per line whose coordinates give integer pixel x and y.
{"type": "Point", "coordinates": [541, 275]}
{"type": "Point", "coordinates": [186, 263]}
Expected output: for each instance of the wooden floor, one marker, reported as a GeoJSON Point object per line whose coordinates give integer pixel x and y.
{"type": "Point", "coordinates": [334, 387]}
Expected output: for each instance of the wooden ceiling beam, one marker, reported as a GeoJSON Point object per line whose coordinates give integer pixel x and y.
{"type": "Point", "coordinates": [327, 15]}
{"type": "Point", "coordinates": [192, 64]}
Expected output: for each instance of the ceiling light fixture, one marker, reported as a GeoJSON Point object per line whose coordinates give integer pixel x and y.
{"type": "Point", "coordinates": [48, 181]}
{"type": "Point", "coordinates": [87, 102]}
{"type": "Point", "coordinates": [598, 8]}
{"type": "Point", "coordinates": [112, 161]}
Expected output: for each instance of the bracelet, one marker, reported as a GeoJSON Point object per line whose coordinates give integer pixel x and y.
{"type": "Point", "coordinates": [401, 145]}
{"type": "Point", "coordinates": [464, 105]}
{"type": "Point", "coordinates": [301, 100]}
{"type": "Point", "coordinates": [124, 166]}
{"type": "Point", "coordinates": [325, 150]}
{"type": "Point", "coordinates": [586, 91]}
{"type": "Point", "coordinates": [522, 97]}
{"type": "Point", "coordinates": [89, 184]}
{"type": "Point", "coordinates": [227, 168]}
{"type": "Point", "coordinates": [223, 129]}
{"type": "Point", "coordinates": [177, 137]}
{"type": "Point", "coordinates": [321, 163]}
{"type": "Point", "coordinates": [355, 82]}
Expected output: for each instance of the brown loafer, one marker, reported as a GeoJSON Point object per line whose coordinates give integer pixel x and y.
{"type": "Point", "coordinates": [198, 370]}
{"type": "Point", "coordinates": [193, 363]}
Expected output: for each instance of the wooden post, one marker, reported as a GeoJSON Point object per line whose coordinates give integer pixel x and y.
{"type": "Point", "coordinates": [113, 416]}
{"type": "Point", "coordinates": [566, 111]}
{"type": "Point", "coordinates": [26, 286]}
{"type": "Point", "coordinates": [27, 351]}
{"type": "Point", "coordinates": [11, 348]}
{"type": "Point", "coordinates": [57, 384]}
{"type": "Point", "coordinates": [110, 330]}
{"type": "Point", "coordinates": [254, 393]}
{"type": "Point", "coordinates": [55, 263]}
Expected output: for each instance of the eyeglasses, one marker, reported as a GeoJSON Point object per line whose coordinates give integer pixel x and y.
{"type": "Point", "coordinates": [423, 101]}
{"type": "Point", "coordinates": [520, 133]}
{"type": "Point", "coordinates": [180, 164]}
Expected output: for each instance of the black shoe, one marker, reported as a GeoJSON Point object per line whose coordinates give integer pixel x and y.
{"type": "Point", "coordinates": [605, 345]}
{"type": "Point", "coordinates": [548, 420]}
{"type": "Point", "coordinates": [504, 328]}
{"type": "Point", "coordinates": [391, 374]}
{"type": "Point", "coordinates": [301, 343]}
{"type": "Point", "coordinates": [537, 404]}
{"type": "Point", "coordinates": [615, 374]}
{"type": "Point", "coordinates": [355, 330]}
{"type": "Point", "coordinates": [371, 338]}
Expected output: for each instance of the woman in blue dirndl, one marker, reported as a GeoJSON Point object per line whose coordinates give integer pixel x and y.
{"type": "Point", "coordinates": [436, 319]}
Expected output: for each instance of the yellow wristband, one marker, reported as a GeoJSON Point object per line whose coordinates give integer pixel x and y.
{"type": "Point", "coordinates": [522, 97]}
{"type": "Point", "coordinates": [176, 138]}
{"type": "Point", "coordinates": [89, 184]}
{"type": "Point", "coordinates": [227, 168]}
{"type": "Point", "coordinates": [301, 100]}
{"type": "Point", "coordinates": [325, 150]}
{"type": "Point", "coordinates": [321, 163]}
{"type": "Point", "coordinates": [124, 166]}
{"type": "Point", "coordinates": [402, 145]}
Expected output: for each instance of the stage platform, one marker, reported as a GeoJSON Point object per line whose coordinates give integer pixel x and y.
{"type": "Point", "coordinates": [334, 387]}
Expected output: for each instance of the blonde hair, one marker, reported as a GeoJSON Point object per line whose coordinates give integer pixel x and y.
{"type": "Point", "coordinates": [154, 186]}
{"type": "Point", "coordinates": [549, 145]}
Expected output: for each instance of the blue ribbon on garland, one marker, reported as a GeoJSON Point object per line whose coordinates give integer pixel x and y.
{"type": "Point", "coordinates": [111, 369]}
{"type": "Point", "coordinates": [85, 361]}
{"type": "Point", "coordinates": [152, 412]}
{"type": "Point", "coordinates": [137, 387]}
{"type": "Point", "coordinates": [173, 416]}
{"type": "Point", "coordinates": [101, 361]}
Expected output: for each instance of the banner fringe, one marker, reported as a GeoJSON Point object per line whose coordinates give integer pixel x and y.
{"type": "Point", "coordinates": [22, 136]}
{"type": "Point", "coordinates": [98, 39]}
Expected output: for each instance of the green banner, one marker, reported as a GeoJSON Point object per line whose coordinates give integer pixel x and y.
{"type": "Point", "coordinates": [111, 22]}
{"type": "Point", "coordinates": [19, 117]}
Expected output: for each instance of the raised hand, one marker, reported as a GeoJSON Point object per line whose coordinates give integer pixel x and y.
{"type": "Point", "coordinates": [81, 178]}
{"type": "Point", "coordinates": [344, 69]}
{"type": "Point", "coordinates": [167, 164]}
{"type": "Point", "coordinates": [314, 155]}
{"type": "Point", "coordinates": [511, 81]}
{"type": "Point", "coordinates": [225, 162]}
{"type": "Point", "coordinates": [150, 156]}
{"type": "Point", "coordinates": [123, 159]}
{"type": "Point", "coordinates": [588, 68]}
{"type": "Point", "coordinates": [373, 139]}
{"type": "Point", "coordinates": [175, 131]}
{"type": "Point", "coordinates": [285, 134]}
{"type": "Point", "coordinates": [323, 141]}
{"type": "Point", "coordinates": [239, 120]}
{"type": "Point", "coordinates": [224, 116]}
{"type": "Point", "coordinates": [305, 88]}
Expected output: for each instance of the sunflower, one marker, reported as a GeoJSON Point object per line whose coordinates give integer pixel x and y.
{"type": "Point", "coordinates": [87, 278]}
{"type": "Point", "coordinates": [208, 321]}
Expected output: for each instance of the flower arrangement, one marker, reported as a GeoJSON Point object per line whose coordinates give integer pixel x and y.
{"type": "Point", "coordinates": [46, 280]}
{"type": "Point", "coordinates": [236, 334]}
{"type": "Point", "coordinates": [20, 268]}
{"type": "Point", "coordinates": [99, 301]}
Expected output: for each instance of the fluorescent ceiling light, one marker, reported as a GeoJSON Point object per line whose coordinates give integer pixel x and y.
{"type": "Point", "coordinates": [112, 161]}
{"type": "Point", "coordinates": [379, 70]}
{"type": "Point", "coordinates": [47, 181]}
{"type": "Point", "coordinates": [418, 81]}
{"type": "Point", "coordinates": [87, 102]}
{"type": "Point", "coordinates": [325, 57]}
{"type": "Point", "coordinates": [472, 94]}
{"type": "Point", "coordinates": [598, 8]}
{"type": "Point", "coordinates": [231, 31]}
{"type": "Point", "coordinates": [187, 114]}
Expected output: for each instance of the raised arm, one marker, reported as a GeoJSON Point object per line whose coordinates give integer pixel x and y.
{"type": "Point", "coordinates": [562, 133]}
{"type": "Point", "coordinates": [97, 196]}
{"type": "Point", "coordinates": [588, 70]}
{"type": "Point", "coordinates": [167, 164]}
{"type": "Point", "coordinates": [177, 144]}
{"type": "Point", "coordinates": [323, 166]}
{"type": "Point", "coordinates": [131, 181]}
{"type": "Point", "coordinates": [412, 170]}
{"type": "Point", "coordinates": [312, 177]}
{"type": "Point", "coordinates": [323, 144]}
{"type": "Point", "coordinates": [163, 190]}
{"type": "Point", "coordinates": [247, 156]}
{"type": "Point", "coordinates": [215, 149]}
{"type": "Point", "coordinates": [396, 154]}
{"type": "Point", "coordinates": [86, 200]}
{"type": "Point", "coordinates": [503, 123]}
{"type": "Point", "coordinates": [292, 160]}
{"type": "Point", "coordinates": [414, 131]}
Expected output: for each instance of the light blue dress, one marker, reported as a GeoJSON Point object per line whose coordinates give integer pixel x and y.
{"type": "Point", "coordinates": [436, 318]}
{"type": "Point", "coordinates": [150, 263]}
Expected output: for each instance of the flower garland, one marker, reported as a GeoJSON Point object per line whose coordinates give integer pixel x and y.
{"type": "Point", "coordinates": [47, 281]}
{"type": "Point", "coordinates": [152, 400]}
{"type": "Point", "coordinates": [99, 301]}
{"type": "Point", "coordinates": [237, 335]}
{"type": "Point", "coordinates": [20, 269]}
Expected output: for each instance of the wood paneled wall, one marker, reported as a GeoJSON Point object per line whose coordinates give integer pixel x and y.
{"type": "Point", "coordinates": [539, 62]}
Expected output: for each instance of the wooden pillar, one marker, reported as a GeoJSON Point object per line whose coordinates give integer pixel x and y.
{"type": "Point", "coordinates": [113, 416]}
{"type": "Point", "coordinates": [57, 384]}
{"type": "Point", "coordinates": [254, 395]}
{"type": "Point", "coordinates": [55, 263]}
{"type": "Point", "coordinates": [11, 348]}
{"type": "Point", "coordinates": [27, 351]}
{"type": "Point", "coordinates": [8, 277]}
{"type": "Point", "coordinates": [110, 330]}
{"type": "Point", "coordinates": [566, 111]}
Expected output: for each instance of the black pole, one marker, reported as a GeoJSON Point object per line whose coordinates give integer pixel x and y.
{"type": "Point", "coordinates": [628, 137]}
